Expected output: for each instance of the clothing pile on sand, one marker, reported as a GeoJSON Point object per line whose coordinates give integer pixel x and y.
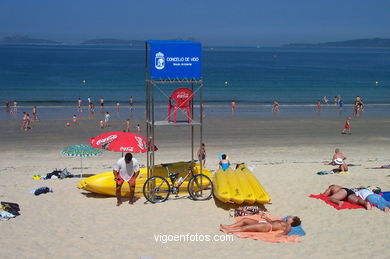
{"type": "Point", "coordinates": [8, 210]}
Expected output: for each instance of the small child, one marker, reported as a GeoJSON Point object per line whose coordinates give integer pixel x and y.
{"type": "Point", "coordinates": [101, 124]}
{"type": "Point", "coordinates": [74, 119]}
{"type": "Point", "coordinates": [347, 126]}
{"type": "Point", "coordinates": [138, 128]}
{"type": "Point", "coordinates": [224, 163]}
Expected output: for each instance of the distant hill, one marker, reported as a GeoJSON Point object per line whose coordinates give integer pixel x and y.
{"type": "Point", "coordinates": [133, 43]}
{"type": "Point", "coordinates": [25, 40]}
{"type": "Point", "coordinates": [359, 43]}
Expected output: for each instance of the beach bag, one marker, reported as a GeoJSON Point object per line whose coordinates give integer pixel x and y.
{"type": "Point", "coordinates": [246, 211]}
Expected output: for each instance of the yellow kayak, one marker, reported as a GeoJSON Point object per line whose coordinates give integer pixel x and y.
{"type": "Point", "coordinates": [239, 186]}
{"type": "Point", "coordinates": [104, 183]}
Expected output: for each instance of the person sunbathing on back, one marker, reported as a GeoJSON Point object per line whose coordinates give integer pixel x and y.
{"type": "Point", "coordinates": [263, 225]}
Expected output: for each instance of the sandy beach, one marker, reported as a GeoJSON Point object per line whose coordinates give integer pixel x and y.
{"type": "Point", "coordinates": [286, 153]}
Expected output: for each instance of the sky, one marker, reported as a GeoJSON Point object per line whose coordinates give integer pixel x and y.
{"type": "Point", "coordinates": [215, 22]}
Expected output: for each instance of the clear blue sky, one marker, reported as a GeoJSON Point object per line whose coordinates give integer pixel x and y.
{"type": "Point", "coordinates": [216, 22]}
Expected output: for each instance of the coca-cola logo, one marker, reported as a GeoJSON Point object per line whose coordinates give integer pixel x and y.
{"type": "Point", "coordinates": [183, 95]}
{"type": "Point", "coordinates": [126, 149]}
{"type": "Point", "coordinates": [106, 140]}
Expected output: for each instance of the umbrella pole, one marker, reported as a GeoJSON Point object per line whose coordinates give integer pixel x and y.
{"type": "Point", "coordinates": [81, 167]}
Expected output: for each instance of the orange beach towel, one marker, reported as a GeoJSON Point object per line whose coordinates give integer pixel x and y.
{"type": "Point", "coordinates": [266, 236]}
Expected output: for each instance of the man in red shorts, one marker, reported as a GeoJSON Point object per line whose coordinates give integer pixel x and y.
{"type": "Point", "coordinates": [126, 169]}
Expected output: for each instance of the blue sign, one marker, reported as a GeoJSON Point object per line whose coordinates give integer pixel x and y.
{"type": "Point", "coordinates": [174, 60]}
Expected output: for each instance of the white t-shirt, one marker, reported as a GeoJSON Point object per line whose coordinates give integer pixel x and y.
{"type": "Point", "coordinates": [126, 171]}
{"type": "Point", "coordinates": [363, 193]}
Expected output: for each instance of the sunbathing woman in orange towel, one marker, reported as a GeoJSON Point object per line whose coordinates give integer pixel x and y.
{"type": "Point", "coordinates": [263, 225]}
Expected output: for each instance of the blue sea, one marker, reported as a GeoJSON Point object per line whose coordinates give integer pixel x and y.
{"type": "Point", "coordinates": [51, 77]}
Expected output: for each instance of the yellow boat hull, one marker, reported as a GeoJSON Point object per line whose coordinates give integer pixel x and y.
{"type": "Point", "coordinates": [104, 183]}
{"type": "Point", "coordinates": [239, 186]}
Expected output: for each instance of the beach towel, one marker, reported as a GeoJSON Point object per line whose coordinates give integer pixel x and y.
{"type": "Point", "coordinates": [267, 236]}
{"type": "Point", "coordinates": [331, 172]}
{"type": "Point", "coordinates": [385, 195]}
{"type": "Point", "coordinates": [346, 204]}
{"type": "Point", "coordinates": [381, 167]}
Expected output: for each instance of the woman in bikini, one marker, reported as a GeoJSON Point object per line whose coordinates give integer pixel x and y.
{"type": "Point", "coordinates": [263, 225]}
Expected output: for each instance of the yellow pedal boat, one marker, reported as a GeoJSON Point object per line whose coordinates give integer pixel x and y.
{"type": "Point", "coordinates": [239, 186]}
{"type": "Point", "coordinates": [104, 183]}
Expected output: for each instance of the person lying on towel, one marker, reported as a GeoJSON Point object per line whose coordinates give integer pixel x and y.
{"type": "Point", "coordinates": [263, 225]}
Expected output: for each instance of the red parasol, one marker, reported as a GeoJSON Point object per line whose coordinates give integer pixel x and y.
{"type": "Point", "coordinates": [121, 142]}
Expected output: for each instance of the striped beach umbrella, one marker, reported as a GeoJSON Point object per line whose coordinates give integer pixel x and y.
{"type": "Point", "coordinates": [81, 151]}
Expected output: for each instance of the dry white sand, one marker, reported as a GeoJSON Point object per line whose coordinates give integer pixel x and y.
{"type": "Point", "coordinates": [287, 154]}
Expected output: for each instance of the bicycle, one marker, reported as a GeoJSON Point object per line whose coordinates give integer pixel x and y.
{"type": "Point", "coordinates": [157, 189]}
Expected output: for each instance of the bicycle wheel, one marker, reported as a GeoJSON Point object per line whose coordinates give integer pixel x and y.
{"type": "Point", "coordinates": [200, 187]}
{"type": "Point", "coordinates": [156, 189]}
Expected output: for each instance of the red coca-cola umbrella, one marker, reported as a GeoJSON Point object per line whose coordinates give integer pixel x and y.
{"type": "Point", "coordinates": [121, 142]}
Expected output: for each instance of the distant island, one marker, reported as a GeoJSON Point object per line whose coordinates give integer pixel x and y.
{"type": "Point", "coordinates": [131, 43]}
{"type": "Point", "coordinates": [25, 40]}
{"type": "Point", "coordinates": [359, 43]}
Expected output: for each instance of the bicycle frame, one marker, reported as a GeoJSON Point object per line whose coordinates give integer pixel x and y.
{"type": "Point", "coordinates": [173, 176]}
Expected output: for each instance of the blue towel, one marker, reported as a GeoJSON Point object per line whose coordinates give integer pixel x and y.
{"type": "Point", "coordinates": [298, 230]}
{"type": "Point", "coordinates": [386, 196]}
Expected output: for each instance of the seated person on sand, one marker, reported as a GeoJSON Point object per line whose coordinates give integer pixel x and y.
{"type": "Point", "coordinates": [224, 163]}
{"type": "Point", "coordinates": [339, 195]}
{"type": "Point", "coordinates": [373, 198]}
{"type": "Point", "coordinates": [342, 166]}
{"type": "Point", "coordinates": [337, 154]}
{"type": "Point", "coordinates": [263, 225]}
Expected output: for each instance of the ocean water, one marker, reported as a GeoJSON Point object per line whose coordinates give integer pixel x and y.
{"type": "Point", "coordinates": [51, 77]}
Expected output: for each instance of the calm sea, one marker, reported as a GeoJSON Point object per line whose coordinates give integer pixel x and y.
{"type": "Point", "coordinates": [52, 78]}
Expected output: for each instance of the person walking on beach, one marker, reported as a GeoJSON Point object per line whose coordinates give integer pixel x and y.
{"type": "Point", "coordinates": [107, 120]}
{"type": "Point", "coordinates": [34, 113]}
{"type": "Point", "coordinates": [7, 106]}
{"type": "Point", "coordinates": [341, 103]}
{"type": "Point", "coordinates": [15, 107]}
{"type": "Point", "coordinates": [347, 126]}
{"type": "Point", "coordinates": [138, 128]}
{"type": "Point", "coordinates": [202, 155]}
{"type": "Point", "coordinates": [336, 101]}
{"type": "Point", "coordinates": [339, 195]}
{"type": "Point", "coordinates": [126, 169]}
{"type": "Point", "coordinates": [127, 125]}
{"type": "Point", "coordinates": [79, 105]}
{"type": "Point", "coordinates": [131, 102]}
{"type": "Point", "coordinates": [233, 106]}
{"type": "Point", "coordinates": [358, 107]}
{"type": "Point", "coordinates": [28, 122]}
{"type": "Point", "coordinates": [117, 106]}
{"type": "Point", "coordinates": [92, 110]}
{"type": "Point", "coordinates": [318, 105]}
{"type": "Point", "coordinates": [74, 119]}
{"type": "Point", "coordinates": [102, 103]}
{"type": "Point", "coordinates": [24, 121]}
{"type": "Point", "coordinates": [325, 99]}
{"type": "Point", "coordinates": [275, 107]}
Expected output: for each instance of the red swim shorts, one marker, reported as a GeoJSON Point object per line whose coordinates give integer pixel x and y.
{"type": "Point", "coordinates": [119, 179]}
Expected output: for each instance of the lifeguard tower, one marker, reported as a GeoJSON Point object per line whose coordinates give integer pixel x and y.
{"type": "Point", "coordinates": [173, 63]}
